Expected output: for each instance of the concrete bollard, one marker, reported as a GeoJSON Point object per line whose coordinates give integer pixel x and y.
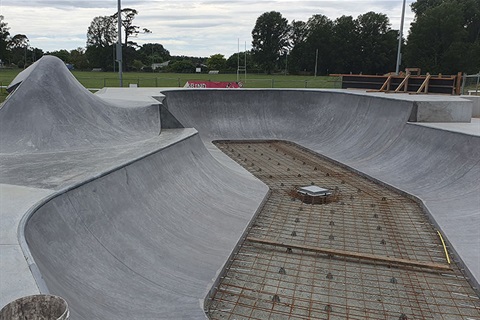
{"type": "Point", "coordinates": [36, 307]}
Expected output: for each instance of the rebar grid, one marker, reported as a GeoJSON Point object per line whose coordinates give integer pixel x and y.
{"type": "Point", "coordinates": [269, 282]}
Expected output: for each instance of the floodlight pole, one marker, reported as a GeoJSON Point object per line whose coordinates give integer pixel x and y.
{"type": "Point", "coordinates": [400, 38]}
{"type": "Point", "coordinates": [238, 59]}
{"type": "Point", "coordinates": [119, 44]}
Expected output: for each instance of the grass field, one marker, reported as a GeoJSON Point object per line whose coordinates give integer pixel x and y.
{"type": "Point", "coordinates": [98, 80]}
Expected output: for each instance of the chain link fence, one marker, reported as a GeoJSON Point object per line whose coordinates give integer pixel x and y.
{"type": "Point", "coordinates": [471, 84]}
{"type": "Point", "coordinates": [98, 83]}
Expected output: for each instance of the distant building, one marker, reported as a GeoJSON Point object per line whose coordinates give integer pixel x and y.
{"type": "Point", "coordinates": [162, 65]}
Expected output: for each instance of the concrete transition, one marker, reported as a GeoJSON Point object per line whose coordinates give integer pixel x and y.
{"type": "Point", "coordinates": [126, 211]}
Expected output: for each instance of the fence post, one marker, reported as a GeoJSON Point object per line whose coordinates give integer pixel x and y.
{"type": "Point", "coordinates": [273, 83]}
{"type": "Point", "coordinates": [179, 82]}
{"type": "Point", "coordinates": [306, 83]}
{"type": "Point", "coordinates": [104, 82]}
{"type": "Point", "coordinates": [156, 82]}
{"type": "Point", "coordinates": [464, 80]}
{"type": "Point", "coordinates": [478, 82]}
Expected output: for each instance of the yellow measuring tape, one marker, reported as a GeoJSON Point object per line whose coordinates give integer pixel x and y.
{"type": "Point", "coordinates": [444, 247]}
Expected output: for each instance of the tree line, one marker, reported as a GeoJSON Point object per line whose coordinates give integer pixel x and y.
{"type": "Point", "coordinates": [15, 49]}
{"type": "Point", "coordinates": [444, 38]}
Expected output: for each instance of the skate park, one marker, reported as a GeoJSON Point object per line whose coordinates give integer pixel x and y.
{"type": "Point", "coordinates": [123, 204]}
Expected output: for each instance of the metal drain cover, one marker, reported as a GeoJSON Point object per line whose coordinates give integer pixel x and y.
{"type": "Point", "coordinates": [314, 191]}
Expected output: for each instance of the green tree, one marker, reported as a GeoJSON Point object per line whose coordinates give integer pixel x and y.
{"type": "Point", "coordinates": [270, 39]}
{"type": "Point", "coordinates": [100, 57]}
{"type": "Point", "coordinates": [137, 65]}
{"type": "Point", "coordinates": [419, 7]}
{"type": "Point", "coordinates": [18, 41]}
{"type": "Point", "coordinates": [63, 54]}
{"type": "Point", "coordinates": [19, 53]}
{"type": "Point", "coordinates": [378, 43]}
{"type": "Point", "coordinates": [445, 36]}
{"type": "Point", "coordinates": [436, 32]}
{"type": "Point", "coordinates": [298, 33]}
{"type": "Point", "coordinates": [317, 36]}
{"type": "Point", "coordinates": [130, 30]}
{"type": "Point", "coordinates": [79, 59]}
{"type": "Point", "coordinates": [216, 62]}
{"type": "Point", "coordinates": [102, 32]}
{"type": "Point", "coordinates": [153, 53]}
{"type": "Point", "coordinates": [35, 53]}
{"type": "Point", "coordinates": [101, 37]}
{"type": "Point", "coordinates": [345, 42]}
{"type": "Point", "coordinates": [182, 66]}
{"type": "Point", "coordinates": [233, 60]}
{"type": "Point", "coordinates": [471, 11]}
{"type": "Point", "coordinates": [4, 37]}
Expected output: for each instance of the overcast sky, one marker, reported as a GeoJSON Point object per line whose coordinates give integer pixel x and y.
{"type": "Point", "coordinates": [184, 27]}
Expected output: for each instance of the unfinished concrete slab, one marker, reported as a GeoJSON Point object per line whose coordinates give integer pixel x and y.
{"type": "Point", "coordinates": [369, 254]}
{"type": "Point", "coordinates": [370, 134]}
{"type": "Point", "coordinates": [144, 219]}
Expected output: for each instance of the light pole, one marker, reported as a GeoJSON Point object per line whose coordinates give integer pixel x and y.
{"type": "Point", "coordinates": [119, 44]}
{"type": "Point", "coordinates": [400, 37]}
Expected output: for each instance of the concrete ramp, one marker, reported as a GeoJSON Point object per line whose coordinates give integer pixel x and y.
{"type": "Point", "coordinates": [132, 223]}
{"type": "Point", "coordinates": [147, 240]}
{"type": "Point", "coordinates": [51, 111]}
{"type": "Point", "coordinates": [120, 219]}
{"type": "Point", "coordinates": [369, 133]}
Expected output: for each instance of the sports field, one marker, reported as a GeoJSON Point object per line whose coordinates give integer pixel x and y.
{"type": "Point", "coordinates": [97, 80]}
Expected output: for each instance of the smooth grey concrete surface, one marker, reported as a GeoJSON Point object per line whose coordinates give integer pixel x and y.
{"type": "Point", "coordinates": [426, 111]}
{"type": "Point", "coordinates": [148, 220]}
{"type": "Point", "coordinates": [476, 105]}
{"type": "Point", "coordinates": [59, 170]}
{"type": "Point", "coordinates": [145, 241]}
{"type": "Point", "coordinates": [431, 108]}
{"type": "Point", "coordinates": [137, 224]}
{"type": "Point", "coordinates": [16, 280]}
{"type": "Point", "coordinates": [51, 111]}
{"type": "Point", "coordinates": [472, 128]}
{"type": "Point", "coordinates": [369, 133]}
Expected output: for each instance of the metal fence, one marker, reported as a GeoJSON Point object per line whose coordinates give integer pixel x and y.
{"type": "Point", "coordinates": [98, 83]}
{"type": "Point", "coordinates": [471, 84]}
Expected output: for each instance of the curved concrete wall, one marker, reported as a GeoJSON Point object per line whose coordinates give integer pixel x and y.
{"type": "Point", "coordinates": [366, 132]}
{"type": "Point", "coordinates": [51, 111]}
{"type": "Point", "coordinates": [147, 240]}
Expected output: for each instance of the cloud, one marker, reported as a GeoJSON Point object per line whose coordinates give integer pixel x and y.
{"type": "Point", "coordinates": [184, 27]}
